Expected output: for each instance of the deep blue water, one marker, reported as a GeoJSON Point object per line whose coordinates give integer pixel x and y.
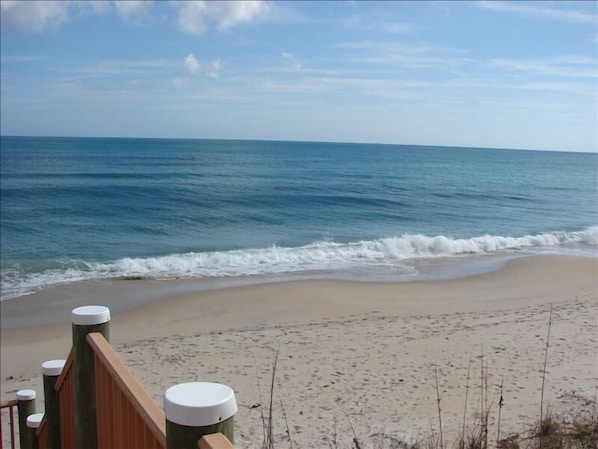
{"type": "Point", "coordinates": [84, 208]}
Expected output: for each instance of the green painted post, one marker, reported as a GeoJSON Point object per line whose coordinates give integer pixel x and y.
{"type": "Point", "coordinates": [195, 409]}
{"type": "Point", "coordinates": [33, 422]}
{"type": "Point", "coordinates": [86, 320]}
{"type": "Point", "coordinates": [25, 407]}
{"type": "Point", "coordinates": [51, 372]}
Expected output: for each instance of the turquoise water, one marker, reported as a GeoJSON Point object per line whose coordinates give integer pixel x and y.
{"type": "Point", "coordinates": [81, 208]}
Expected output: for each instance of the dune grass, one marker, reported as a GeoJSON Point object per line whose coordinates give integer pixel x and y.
{"type": "Point", "coordinates": [549, 432]}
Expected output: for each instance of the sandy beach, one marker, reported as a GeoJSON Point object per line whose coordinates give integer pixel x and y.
{"type": "Point", "coordinates": [357, 358]}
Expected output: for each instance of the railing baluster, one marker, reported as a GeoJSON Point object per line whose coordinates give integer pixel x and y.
{"type": "Point", "coordinates": [10, 405]}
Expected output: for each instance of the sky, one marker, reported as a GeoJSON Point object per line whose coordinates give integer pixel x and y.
{"type": "Point", "coordinates": [478, 74]}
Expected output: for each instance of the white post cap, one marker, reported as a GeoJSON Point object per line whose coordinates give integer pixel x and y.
{"type": "Point", "coordinates": [33, 421]}
{"type": "Point", "coordinates": [53, 367]}
{"type": "Point", "coordinates": [199, 404]}
{"type": "Point", "coordinates": [25, 395]}
{"type": "Point", "coordinates": [90, 315]}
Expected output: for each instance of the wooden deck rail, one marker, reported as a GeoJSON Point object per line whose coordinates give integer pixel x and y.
{"type": "Point", "coordinates": [127, 416]}
{"type": "Point", "coordinates": [42, 434]}
{"type": "Point", "coordinates": [10, 405]}
{"type": "Point", "coordinates": [214, 441]}
{"type": "Point", "coordinates": [64, 387]}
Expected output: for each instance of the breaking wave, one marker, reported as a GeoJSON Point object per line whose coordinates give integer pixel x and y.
{"type": "Point", "coordinates": [324, 256]}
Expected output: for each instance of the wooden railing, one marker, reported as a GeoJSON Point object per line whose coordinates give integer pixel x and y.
{"type": "Point", "coordinates": [214, 441]}
{"type": "Point", "coordinates": [64, 387]}
{"type": "Point", "coordinates": [10, 405]}
{"type": "Point", "coordinates": [42, 435]}
{"type": "Point", "coordinates": [127, 417]}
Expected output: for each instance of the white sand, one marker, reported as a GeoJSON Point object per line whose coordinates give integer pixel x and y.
{"type": "Point", "coordinates": [360, 358]}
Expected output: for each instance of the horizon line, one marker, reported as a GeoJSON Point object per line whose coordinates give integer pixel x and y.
{"type": "Point", "coordinates": [238, 139]}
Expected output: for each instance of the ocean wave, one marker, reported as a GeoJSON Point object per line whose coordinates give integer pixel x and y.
{"type": "Point", "coordinates": [325, 256]}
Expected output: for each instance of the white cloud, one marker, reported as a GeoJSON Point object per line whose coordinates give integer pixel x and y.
{"type": "Point", "coordinates": [191, 17]}
{"type": "Point", "coordinates": [373, 55]}
{"type": "Point", "coordinates": [232, 13]}
{"type": "Point", "coordinates": [33, 16]}
{"type": "Point", "coordinates": [192, 65]}
{"type": "Point", "coordinates": [109, 71]}
{"type": "Point", "coordinates": [133, 9]}
{"type": "Point", "coordinates": [37, 16]}
{"type": "Point", "coordinates": [293, 61]}
{"type": "Point", "coordinates": [560, 14]}
{"type": "Point", "coordinates": [564, 66]}
{"type": "Point", "coordinates": [380, 23]}
{"type": "Point", "coordinates": [195, 17]}
{"type": "Point", "coordinates": [213, 69]}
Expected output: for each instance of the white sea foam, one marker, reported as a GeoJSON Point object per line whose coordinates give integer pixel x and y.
{"type": "Point", "coordinates": [387, 253]}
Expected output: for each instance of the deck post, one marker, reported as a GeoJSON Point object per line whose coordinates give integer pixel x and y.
{"type": "Point", "coordinates": [86, 320]}
{"type": "Point", "coordinates": [195, 409]}
{"type": "Point", "coordinates": [33, 422]}
{"type": "Point", "coordinates": [25, 407]}
{"type": "Point", "coordinates": [51, 371]}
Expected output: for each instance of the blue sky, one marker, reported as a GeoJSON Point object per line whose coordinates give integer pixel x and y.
{"type": "Point", "coordinates": [489, 74]}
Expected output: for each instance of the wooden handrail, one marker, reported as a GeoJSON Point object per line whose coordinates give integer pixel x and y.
{"type": "Point", "coordinates": [151, 415]}
{"type": "Point", "coordinates": [214, 441]}
{"type": "Point", "coordinates": [144, 405]}
{"type": "Point", "coordinates": [65, 370]}
{"type": "Point", "coordinates": [10, 403]}
{"type": "Point", "coordinates": [42, 434]}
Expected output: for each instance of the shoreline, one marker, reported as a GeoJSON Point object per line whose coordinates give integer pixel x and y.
{"type": "Point", "coordinates": [127, 292]}
{"type": "Point", "coordinates": [122, 295]}
{"type": "Point", "coordinates": [54, 303]}
{"type": "Point", "coordinates": [362, 352]}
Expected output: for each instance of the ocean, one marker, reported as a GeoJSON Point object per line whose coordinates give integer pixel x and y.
{"type": "Point", "coordinates": [92, 209]}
